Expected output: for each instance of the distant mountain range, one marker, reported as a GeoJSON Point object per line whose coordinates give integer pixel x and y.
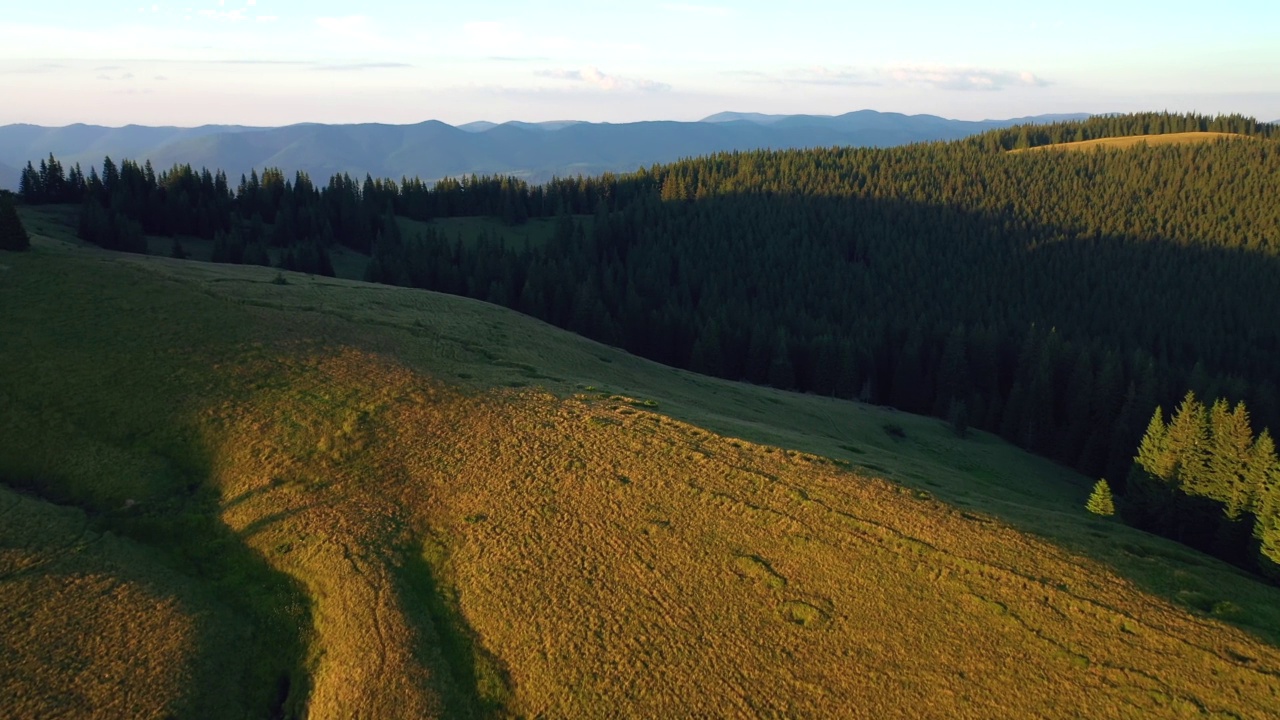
{"type": "Point", "coordinates": [8, 177]}
{"type": "Point", "coordinates": [432, 149]}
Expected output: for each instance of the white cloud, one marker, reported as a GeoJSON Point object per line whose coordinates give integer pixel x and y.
{"type": "Point", "coordinates": [951, 78]}
{"type": "Point", "coordinates": [121, 76]}
{"type": "Point", "coordinates": [592, 76]}
{"type": "Point", "coordinates": [822, 75]}
{"type": "Point", "coordinates": [359, 66]}
{"type": "Point", "coordinates": [938, 77]}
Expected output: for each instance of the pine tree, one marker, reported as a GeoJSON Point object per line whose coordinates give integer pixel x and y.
{"type": "Point", "coordinates": [1266, 531]}
{"type": "Point", "coordinates": [1100, 500]}
{"type": "Point", "coordinates": [1188, 445]}
{"type": "Point", "coordinates": [13, 236]}
{"type": "Point", "coordinates": [1262, 470]}
{"type": "Point", "coordinates": [1152, 457]}
{"type": "Point", "coordinates": [1230, 438]}
{"type": "Point", "coordinates": [29, 188]}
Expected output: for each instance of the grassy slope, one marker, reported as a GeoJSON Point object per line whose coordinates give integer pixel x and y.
{"type": "Point", "coordinates": [436, 506]}
{"type": "Point", "coordinates": [1120, 143]}
{"type": "Point", "coordinates": [59, 221]}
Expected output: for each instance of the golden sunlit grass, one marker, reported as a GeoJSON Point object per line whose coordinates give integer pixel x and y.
{"type": "Point", "coordinates": [487, 516]}
{"type": "Point", "coordinates": [1129, 141]}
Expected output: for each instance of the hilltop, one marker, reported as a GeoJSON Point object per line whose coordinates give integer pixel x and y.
{"type": "Point", "coordinates": [1127, 141]}
{"type": "Point", "coordinates": [260, 492]}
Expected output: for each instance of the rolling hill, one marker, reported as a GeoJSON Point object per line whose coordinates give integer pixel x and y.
{"type": "Point", "coordinates": [1132, 140]}
{"type": "Point", "coordinates": [331, 498]}
{"type": "Point", "coordinates": [432, 149]}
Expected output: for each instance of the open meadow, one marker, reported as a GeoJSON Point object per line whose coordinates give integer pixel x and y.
{"type": "Point", "coordinates": [271, 494]}
{"type": "Point", "coordinates": [1128, 141]}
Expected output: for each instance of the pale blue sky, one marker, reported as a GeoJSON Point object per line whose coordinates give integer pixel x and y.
{"type": "Point", "coordinates": [271, 62]}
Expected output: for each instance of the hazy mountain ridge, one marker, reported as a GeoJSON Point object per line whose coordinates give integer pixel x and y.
{"type": "Point", "coordinates": [433, 149]}
{"type": "Point", "coordinates": [8, 177]}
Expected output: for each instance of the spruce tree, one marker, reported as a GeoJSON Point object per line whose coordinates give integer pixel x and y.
{"type": "Point", "coordinates": [1188, 444]}
{"type": "Point", "coordinates": [1262, 470]}
{"type": "Point", "coordinates": [1100, 500]}
{"type": "Point", "coordinates": [13, 236]}
{"type": "Point", "coordinates": [1230, 438]}
{"type": "Point", "coordinates": [1152, 456]}
{"type": "Point", "coordinates": [1266, 531]}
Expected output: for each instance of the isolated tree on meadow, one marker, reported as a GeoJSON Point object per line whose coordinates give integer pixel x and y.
{"type": "Point", "coordinates": [1100, 500]}
{"type": "Point", "coordinates": [13, 236]}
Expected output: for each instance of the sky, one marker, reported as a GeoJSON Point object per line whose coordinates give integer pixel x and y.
{"type": "Point", "coordinates": [277, 62]}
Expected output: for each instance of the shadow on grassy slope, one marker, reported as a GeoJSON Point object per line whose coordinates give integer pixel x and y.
{"type": "Point", "coordinates": [96, 413]}
{"type": "Point", "coordinates": [477, 685]}
{"type": "Point", "coordinates": [184, 533]}
{"type": "Point", "coordinates": [197, 543]}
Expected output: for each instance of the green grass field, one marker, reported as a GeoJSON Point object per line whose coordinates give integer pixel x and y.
{"type": "Point", "coordinates": [334, 499]}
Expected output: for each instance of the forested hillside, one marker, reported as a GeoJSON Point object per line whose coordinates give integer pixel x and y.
{"type": "Point", "coordinates": [1034, 134]}
{"type": "Point", "coordinates": [1056, 299]}
{"type": "Point", "coordinates": [1053, 299]}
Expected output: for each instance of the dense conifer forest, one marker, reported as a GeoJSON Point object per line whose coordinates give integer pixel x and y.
{"type": "Point", "coordinates": [1203, 478]}
{"type": "Point", "coordinates": [1053, 298]}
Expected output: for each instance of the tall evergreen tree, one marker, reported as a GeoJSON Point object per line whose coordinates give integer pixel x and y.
{"type": "Point", "coordinates": [1187, 445]}
{"type": "Point", "coordinates": [1100, 500]}
{"type": "Point", "coordinates": [1230, 438]}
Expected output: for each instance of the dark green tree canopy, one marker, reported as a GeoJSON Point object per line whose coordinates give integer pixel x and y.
{"type": "Point", "coordinates": [13, 236]}
{"type": "Point", "coordinates": [1205, 479]}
